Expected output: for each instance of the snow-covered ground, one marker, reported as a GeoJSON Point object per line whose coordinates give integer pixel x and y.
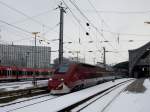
{"type": "Point", "coordinates": [60, 102]}
{"type": "Point", "coordinates": [24, 99]}
{"type": "Point", "coordinates": [100, 104]}
{"type": "Point", "coordinates": [21, 85]}
{"type": "Point", "coordinates": [24, 104]}
{"type": "Point", "coordinates": [132, 101]}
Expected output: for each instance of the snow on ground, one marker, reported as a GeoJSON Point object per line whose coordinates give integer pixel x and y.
{"type": "Point", "coordinates": [24, 104]}
{"type": "Point", "coordinates": [22, 85]}
{"type": "Point", "coordinates": [100, 104]}
{"type": "Point", "coordinates": [132, 101]}
{"type": "Point", "coordinates": [62, 101]}
{"type": "Point", "coordinates": [23, 99]}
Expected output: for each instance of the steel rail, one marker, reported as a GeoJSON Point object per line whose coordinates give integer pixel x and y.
{"type": "Point", "coordinates": [71, 107]}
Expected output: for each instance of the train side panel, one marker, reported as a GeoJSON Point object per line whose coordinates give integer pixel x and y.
{"type": "Point", "coordinates": [75, 77]}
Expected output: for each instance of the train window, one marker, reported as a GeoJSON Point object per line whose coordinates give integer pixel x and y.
{"type": "Point", "coordinates": [23, 72]}
{"type": "Point", "coordinates": [31, 73]}
{"type": "Point", "coordinates": [62, 69]}
{"type": "Point", "coordinates": [4, 72]}
{"type": "Point", "coordinates": [14, 72]}
{"type": "Point", "coordinates": [20, 72]}
{"type": "Point", "coordinates": [49, 73]}
{"type": "Point", "coordinates": [40, 73]}
{"type": "Point", "coordinates": [44, 73]}
{"type": "Point", "coordinates": [36, 73]}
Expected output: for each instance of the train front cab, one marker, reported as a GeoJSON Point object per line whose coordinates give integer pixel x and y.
{"type": "Point", "coordinates": [60, 82]}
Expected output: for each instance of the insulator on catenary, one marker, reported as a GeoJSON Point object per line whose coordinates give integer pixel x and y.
{"type": "Point", "coordinates": [87, 33]}
{"type": "Point", "coordinates": [87, 24]}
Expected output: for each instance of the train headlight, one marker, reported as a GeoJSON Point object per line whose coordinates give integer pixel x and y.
{"type": "Point", "coordinates": [62, 79]}
{"type": "Point", "coordinates": [50, 79]}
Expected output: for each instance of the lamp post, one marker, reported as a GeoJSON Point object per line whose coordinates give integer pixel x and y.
{"type": "Point", "coordinates": [35, 56]}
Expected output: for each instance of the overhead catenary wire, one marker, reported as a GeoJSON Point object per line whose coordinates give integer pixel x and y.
{"type": "Point", "coordinates": [21, 29]}
{"type": "Point", "coordinates": [74, 4]}
{"type": "Point", "coordinates": [109, 31]}
{"type": "Point", "coordinates": [73, 15]}
{"type": "Point", "coordinates": [78, 21]}
{"type": "Point", "coordinates": [116, 12]}
{"type": "Point", "coordinates": [28, 17]}
{"type": "Point", "coordinates": [121, 33]}
{"type": "Point", "coordinates": [34, 16]}
{"type": "Point", "coordinates": [22, 13]}
{"type": "Point", "coordinates": [16, 27]}
{"type": "Point", "coordinates": [98, 14]}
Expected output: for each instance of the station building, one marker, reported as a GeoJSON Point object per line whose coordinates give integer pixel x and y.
{"type": "Point", "coordinates": [139, 61]}
{"type": "Point", "coordinates": [25, 56]}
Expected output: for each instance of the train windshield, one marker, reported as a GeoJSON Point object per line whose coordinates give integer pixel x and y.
{"type": "Point", "coordinates": [62, 69]}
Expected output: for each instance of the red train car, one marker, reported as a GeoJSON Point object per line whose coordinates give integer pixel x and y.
{"type": "Point", "coordinates": [76, 76]}
{"type": "Point", "coordinates": [12, 73]}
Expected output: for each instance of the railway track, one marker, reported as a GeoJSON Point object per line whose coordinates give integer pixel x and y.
{"type": "Point", "coordinates": [8, 96]}
{"type": "Point", "coordinates": [99, 95]}
{"type": "Point", "coordinates": [92, 101]}
{"type": "Point", "coordinates": [79, 104]}
{"type": "Point", "coordinates": [38, 100]}
{"type": "Point", "coordinates": [28, 99]}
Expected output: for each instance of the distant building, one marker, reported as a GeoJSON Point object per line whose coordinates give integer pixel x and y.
{"type": "Point", "coordinates": [139, 61]}
{"type": "Point", "coordinates": [25, 56]}
{"type": "Point", "coordinates": [122, 68]}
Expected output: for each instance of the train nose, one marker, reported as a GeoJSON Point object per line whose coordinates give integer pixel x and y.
{"type": "Point", "coordinates": [53, 85]}
{"type": "Point", "coordinates": [61, 89]}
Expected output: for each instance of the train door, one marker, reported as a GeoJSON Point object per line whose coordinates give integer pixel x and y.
{"type": "Point", "coordinates": [1, 75]}
{"type": "Point", "coordinates": [8, 72]}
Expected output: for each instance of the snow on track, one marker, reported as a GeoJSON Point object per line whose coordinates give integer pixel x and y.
{"type": "Point", "coordinates": [66, 100]}
{"type": "Point", "coordinates": [26, 103]}
{"type": "Point", "coordinates": [129, 101]}
{"type": "Point", "coordinates": [102, 103]}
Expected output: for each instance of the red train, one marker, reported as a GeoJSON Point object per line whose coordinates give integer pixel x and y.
{"type": "Point", "coordinates": [12, 73]}
{"type": "Point", "coordinates": [67, 78]}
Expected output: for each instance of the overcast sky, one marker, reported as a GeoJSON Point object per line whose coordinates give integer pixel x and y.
{"type": "Point", "coordinates": [116, 21]}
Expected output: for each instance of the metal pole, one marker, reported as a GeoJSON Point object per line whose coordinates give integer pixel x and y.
{"type": "Point", "coordinates": [94, 60]}
{"type": "Point", "coordinates": [35, 57]}
{"type": "Point", "coordinates": [61, 34]}
{"type": "Point", "coordinates": [104, 60]}
{"type": "Point", "coordinates": [77, 56]}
